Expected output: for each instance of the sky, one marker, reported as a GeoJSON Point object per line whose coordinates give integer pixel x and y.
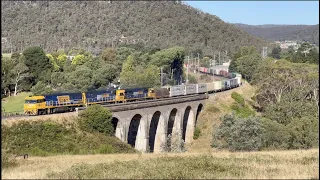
{"type": "Point", "coordinates": [262, 12]}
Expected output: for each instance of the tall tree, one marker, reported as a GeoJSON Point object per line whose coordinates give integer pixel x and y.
{"type": "Point", "coordinates": [276, 52]}
{"type": "Point", "coordinates": [19, 72]}
{"type": "Point", "coordinates": [38, 63]}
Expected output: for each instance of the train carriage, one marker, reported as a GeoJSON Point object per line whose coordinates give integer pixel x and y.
{"type": "Point", "coordinates": [190, 89]}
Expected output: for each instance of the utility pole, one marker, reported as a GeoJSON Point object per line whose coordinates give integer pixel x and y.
{"type": "Point", "coordinates": [187, 72]}
{"type": "Point", "coordinates": [161, 76]}
{"type": "Point", "coordinates": [198, 68]}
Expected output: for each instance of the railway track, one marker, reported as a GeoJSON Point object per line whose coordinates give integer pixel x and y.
{"type": "Point", "coordinates": [114, 106]}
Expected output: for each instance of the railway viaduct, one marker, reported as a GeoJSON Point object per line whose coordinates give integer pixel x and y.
{"type": "Point", "coordinates": [145, 125]}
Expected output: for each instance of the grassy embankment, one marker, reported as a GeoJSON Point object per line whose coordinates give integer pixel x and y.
{"type": "Point", "coordinates": [14, 103]}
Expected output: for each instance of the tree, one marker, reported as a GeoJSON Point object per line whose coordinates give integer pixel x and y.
{"type": "Point", "coordinates": [128, 76]}
{"type": "Point", "coordinates": [243, 51]}
{"type": "Point", "coordinates": [81, 78]}
{"type": "Point", "coordinates": [96, 119]}
{"type": "Point", "coordinates": [38, 63]}
{"type": "Point", "coordinates": [109, 56]}
{"type": "Point", "coordinates": [41, 88]}
{"type": "Point", "coordinates": [56, 67]}
{"type": "Point", "coordinates": [171, 60]}
{"type": "Point", "coordinates": [246, 65]}
{"type": "Point", "coordinates": [19, 72]}
{"type": "Point", "coordinates": [104, 75]}
{"type": "Point", "coordinates": [7, 64]}
{"type": "Point", "coordinates": [62, 60]}
{"type": "Point", "coordinates": [78, 60]}
{"type": "Point", "coordinates": [276, 52]}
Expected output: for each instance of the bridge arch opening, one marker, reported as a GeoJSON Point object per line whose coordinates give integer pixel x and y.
{"type": "Point", "coordinates": [187, 121]}
{"type": "Point", "coordinates": [153, 130]}
{"type": "Point", "coordinates": [171, 120]}
{"type": "Point", "coordinates": [200, 108]}
{"type": "Point", "coordinates": [114, 122]}
{"type": "Point", "coordinates": [133, 129]}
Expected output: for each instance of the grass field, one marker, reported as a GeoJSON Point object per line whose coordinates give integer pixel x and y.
{"type": "Point", "coordinates": [293, 164]}
{"type": "Point", "coordinates": [14, 103]}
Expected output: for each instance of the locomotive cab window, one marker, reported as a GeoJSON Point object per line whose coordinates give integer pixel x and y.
{"type": "Point", "coordinates": [30, 101]}
{"type": "Point", "coordinates": [152, 91]}
{"type": "Point", "coordinates": [121, 94]}
{"type": "Point", "coordinates": [40, 100]}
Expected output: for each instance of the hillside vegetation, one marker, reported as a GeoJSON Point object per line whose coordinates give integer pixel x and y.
{"type": "Point", "coordinates": [95, 25]}
{"type": "Point", "coordinates": [306, 33]}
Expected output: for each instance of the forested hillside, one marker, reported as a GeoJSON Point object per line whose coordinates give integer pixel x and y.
{"type": "Point", "coordinates": [307, 33]}
{"type": "Point", "coordinates": [96, 25]}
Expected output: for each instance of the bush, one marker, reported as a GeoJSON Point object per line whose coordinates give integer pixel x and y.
{"type": "Point", "coordinates": [242, 111]}
{"type": "Point", "coordinates": [196, 133]}
{"type": "Point", "coordinates": [276, 135]}
{"type": "Point", "coordinates": [238, 98]}
{"type": "Point", "coordinates": [96, 118]}
{"type": "Point", "coordinates": [239, 134]}
{"type": "Point", "coordinates": [304, 133]}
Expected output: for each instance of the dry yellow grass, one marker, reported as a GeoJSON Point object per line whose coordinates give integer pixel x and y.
{"type": "Point", "coordinates": [293, 164]}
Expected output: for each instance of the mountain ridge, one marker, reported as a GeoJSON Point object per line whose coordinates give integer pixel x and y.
{"type": "Point", "coordinates": [96, 25]}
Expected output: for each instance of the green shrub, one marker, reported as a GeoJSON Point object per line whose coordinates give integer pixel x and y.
{"type": "Point", "coordinates": [276, 135]}
{"type": "Point", "coordinates": [96, 118]}
{"type": "Point", "coordinates": [238, 98]}
{"type": "Point", "coordinates": [304, 132]}
{"type": "Point", "coordinates": [197, 133]}
{"type": "Point", "coordinates": [105, 149]}
{"type": "Point", "coordinates": [239, 134]}
{"type": "Point", "coordinates": [242, 111]}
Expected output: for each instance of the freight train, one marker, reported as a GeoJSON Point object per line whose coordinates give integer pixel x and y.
{"type": "Point", "coordinates": [64, 102]}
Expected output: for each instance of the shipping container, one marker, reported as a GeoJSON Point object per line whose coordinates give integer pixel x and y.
{"type": "Point", "coordinates": [63, 99]}
{"type": "Point", "coordinates": [190, 89]}
{"type": "Point", "coordinates": [201, 69]}
{"type": "Point", "coordinates": [233, 83]}
{"type": "Point", "coordinates": [100, 96]}
{"type": "Point", "coordinates": [227, 84]}
{"type": "Point", "coordinates": [238, 80]}
{"type": "Point", "coordinates": [176, 90]}
{"type": "Point", "coordinates": [205, 70]}
{"type": "Point", "coordinates": [136, 93]}
{"type": "Point", "coordinates": [210, 87]}
{"type": "Point", "coordinates": [162, 93]}
{"type": "Point", "coordinates": [217, 71]}
{"type": "Point", "coordinates": [211, 71]}
{"type": "Point", "coordinates": [201, 88]}
{"type": "Point", "coordinates": [217, 85]}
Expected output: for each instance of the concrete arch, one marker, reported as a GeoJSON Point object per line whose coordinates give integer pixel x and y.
{"type": "Point", "coordinates": [188, 125]}
{"type": "Point", "coordinates": [155, 131]}
{"type": "Point", "coordinates": [199, 109]}
{"type": "Point", "coordinates": [133, 129]}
